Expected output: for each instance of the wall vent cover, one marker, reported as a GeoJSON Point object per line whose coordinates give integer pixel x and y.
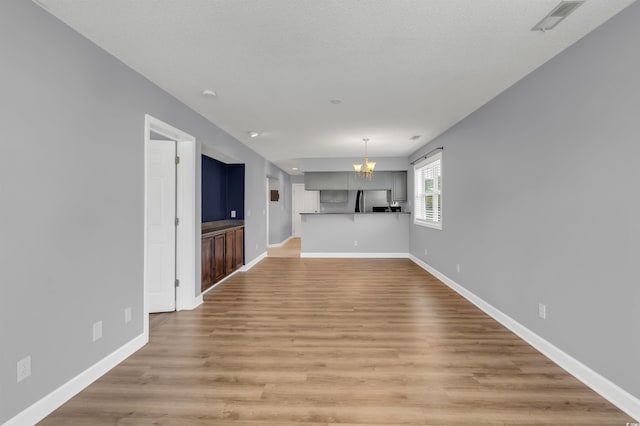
{"type": "Point", "coordinates": [561, 11]}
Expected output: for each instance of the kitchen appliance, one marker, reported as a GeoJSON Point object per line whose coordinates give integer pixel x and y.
{"type": "Point", "coordinates": [333, 196]}
{"type": "Point", "coordinates": [367, 200]}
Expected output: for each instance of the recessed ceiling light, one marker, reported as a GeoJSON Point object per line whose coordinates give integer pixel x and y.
{"type": "Point", "coordinates": [561, 11]}
{"type": "Point", "coordinates": [254, 134]}
{"type": "Point", "coordinates": [335, 101]}
{"type": "Point", "coordinates": [294, 168]}
{"type": "Point", "coordinates": [415, 137]}
{"type": "Point", "coordinates": [209, 93]}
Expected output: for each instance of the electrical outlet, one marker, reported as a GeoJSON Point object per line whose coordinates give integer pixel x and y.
{"type": "Point", "coordinates": [458, 267]}
{"type": "Point", "coordinates": [542, 310]}
{"type": "Point", "coordinates": [355, 243]}
{"type": "Point", "coordinates": [97, 331]}
{"type": "Point", "coordinates": [127, 314]}
{"type": "Point", "coordinates": [425, 252]}
{"type": "Point", "coordinates": [249, 213]}
{"type": "Point", "coordinates": [233, 213]}
{"type": "Point", "coordinates": [24, 368]}
{"type": "Point", "coordinates": [257, 246]}
{"type": "Point", "coordinates": [264, 212]}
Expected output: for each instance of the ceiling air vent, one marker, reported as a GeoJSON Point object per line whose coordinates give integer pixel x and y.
{"type": "Point", "coordinates": [561, 11]}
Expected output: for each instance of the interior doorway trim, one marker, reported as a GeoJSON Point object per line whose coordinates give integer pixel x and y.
{"type": "Point", "coordinates": [293, 208]}
{"type": "Point", "coordinates": [185, 210]}
{"type": "Point", "coordinates": [266, 208]}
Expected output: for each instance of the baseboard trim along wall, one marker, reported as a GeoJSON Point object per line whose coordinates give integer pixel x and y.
{"type": "Point", "coordinates": [195, 302]}
{"type": "Point", "coordinates": [46, 405]}
{"type": "Point", "coordinates": [221, 281]}
{"type": "Point", "coordinates": [601, 385]}
{"type": "Point", "coordinates": [49, 403]}
{"type": "Point", "coordinates": [254, 262]}
{"type": "Point", "coordinates": [347, 255]}
{"type": "Point", "coordinates": [280, 244]}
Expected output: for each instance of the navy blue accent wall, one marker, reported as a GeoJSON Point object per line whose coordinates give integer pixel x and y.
{"type": "Point", "coordinates": [235, 189]}
{"type": "Point", "coordinates": [222, 190]}
{"type": "Point", "coordinates": [214, 193]}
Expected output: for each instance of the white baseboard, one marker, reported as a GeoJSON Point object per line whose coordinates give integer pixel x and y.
{"type": "Point", "coordinates": [244, 268]}
{"type": "Point", "coordinates": [603, 386]}
{"type": "Point", "coordinates": [346, 255]}
{"type": "Point", "coordinates": [280, 244]}
{"type": "Point", "coordinates": [254, 262]}
{"type": "Point", "coordinates": [195, 302]}
{"type": "Point", "coordinates": [220, 282]}
{"type": "Point", "coordinates": [46, 405]}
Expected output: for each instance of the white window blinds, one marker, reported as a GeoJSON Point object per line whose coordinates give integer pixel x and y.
{"type": "Point", "coordinates": [428, 192]}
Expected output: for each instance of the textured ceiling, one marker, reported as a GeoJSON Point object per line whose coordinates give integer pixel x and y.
{"type": "Point", "coordinates": [400, 67]}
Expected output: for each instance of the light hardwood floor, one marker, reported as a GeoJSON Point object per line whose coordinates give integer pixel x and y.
{"type": "Point", "coordinates": [289, 249]}
{"type": "Point", "coordinates": [321, 342]}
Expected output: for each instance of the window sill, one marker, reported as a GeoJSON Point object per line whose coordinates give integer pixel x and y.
{"type": "Point", "coordinates": [437, 226]}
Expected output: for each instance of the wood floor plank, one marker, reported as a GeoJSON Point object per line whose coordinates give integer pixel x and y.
{"type": "Point", "coordinates": [335, 342]}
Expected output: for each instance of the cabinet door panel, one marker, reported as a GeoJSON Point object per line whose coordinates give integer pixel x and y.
{"type": "Point", "coordinates": [218, 256]}
{"type": "Point", "coordinates": [207, 263]}
{"type": "Point", "coordinates": [326, 180]}
{"type": "Point", "coordinates": [399, 192]}
{"type": "Point", "coordinates": [228, 252]}
{"type": "Point", "coordinates": [239, 248]}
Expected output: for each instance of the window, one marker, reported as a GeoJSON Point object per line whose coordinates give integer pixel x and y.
{"type": "Point", "coordinates": [428, 192]}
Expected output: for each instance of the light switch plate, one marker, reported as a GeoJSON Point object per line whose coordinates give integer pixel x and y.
{"type": "Point", "coordinates": [24, 368]}
{"type": "Point", "coordinates": [97, 331]}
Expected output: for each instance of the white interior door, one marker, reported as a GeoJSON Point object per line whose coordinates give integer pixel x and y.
{"type": "Point", "coordinates": [303, 202]}
{"type": "Point", "coordinates": [161, 226]}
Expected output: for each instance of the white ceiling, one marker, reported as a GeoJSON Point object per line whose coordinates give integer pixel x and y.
{"type": "Point", "coordinates": [400, 67]}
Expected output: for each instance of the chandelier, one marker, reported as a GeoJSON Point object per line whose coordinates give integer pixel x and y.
{"type": "Point", "coordinates": [365, 170]}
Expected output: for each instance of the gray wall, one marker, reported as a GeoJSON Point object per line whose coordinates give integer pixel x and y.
{"type": "Point", "coordinates": [71, 225]}
{"type": "Point", "coordinates": [297, 179]}
{"type": "Point", "coordinates": [280, 211]}
{"type": "Point", "coordinates": [541, 202]}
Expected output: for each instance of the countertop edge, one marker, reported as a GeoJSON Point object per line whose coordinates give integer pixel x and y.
{"type": "Point", "coordinates": [355, 214]}
{"type": "Point", "coordinates": [213, 229]}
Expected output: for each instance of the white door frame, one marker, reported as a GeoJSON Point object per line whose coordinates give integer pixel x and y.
{"type": "Point", "coordinates": [266, 208]}
{"type": "Point", "coordinates": [185, 209]}
{"type": "Point", "coordinates": [293, 206]}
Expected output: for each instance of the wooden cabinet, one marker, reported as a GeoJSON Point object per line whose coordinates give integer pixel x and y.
{"type": "Point", "coordinates": [219, 257]}
{"type": "Point", "coordinates": [222, 254]}
{"type": "Point", "coordinates": [399, 188]}
{"type": "Point", "coordinates": [234, 249]}
{"type": "Point", "coordinates": [229, 246]}
{"type": "Point", "coordinates": [238, 256]}
{"type": "Point", "coordinates": [207, 264]}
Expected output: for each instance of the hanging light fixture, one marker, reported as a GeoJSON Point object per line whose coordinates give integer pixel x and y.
{"type": "Point", "coordinates": [365, 170]}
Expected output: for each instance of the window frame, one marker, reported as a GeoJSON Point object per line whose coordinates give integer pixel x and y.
{"type": "Point", "coordinates": [417, 172]}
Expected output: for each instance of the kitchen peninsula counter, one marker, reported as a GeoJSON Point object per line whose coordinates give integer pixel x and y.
{"type": "Point", "coordinates": [356, 213]}
{"type": "Point", "coordinates": [379, 234]}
